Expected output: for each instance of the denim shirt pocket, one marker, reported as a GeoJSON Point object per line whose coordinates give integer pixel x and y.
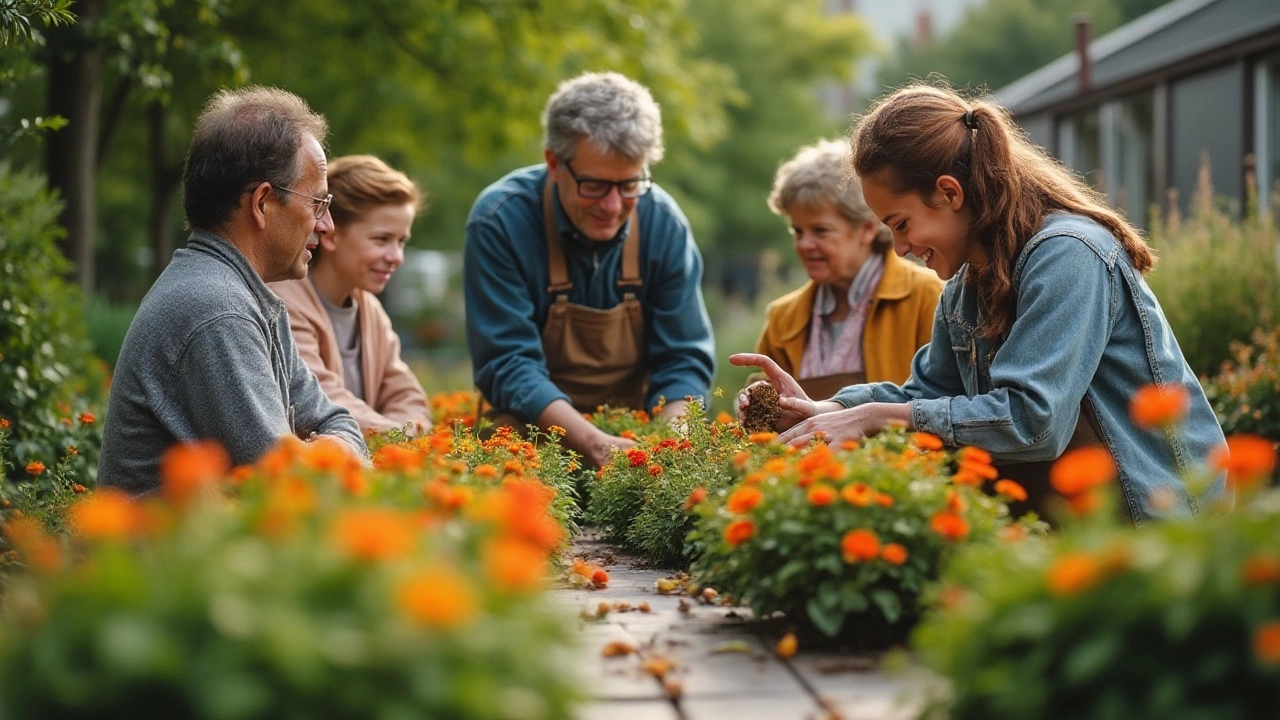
{"type": "Point", "coordinates": [964, 344]}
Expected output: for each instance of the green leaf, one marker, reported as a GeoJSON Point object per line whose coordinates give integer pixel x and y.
{"type": "Point", "coordinates": [887, 601]}
{"type": "Point", "coordinates": [1091, 658]}
{"type": "Point", "coordinates": [827, 620]}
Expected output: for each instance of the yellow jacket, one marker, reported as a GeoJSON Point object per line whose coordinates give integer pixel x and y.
{"type": "Point", "coordinates": [899, 321]}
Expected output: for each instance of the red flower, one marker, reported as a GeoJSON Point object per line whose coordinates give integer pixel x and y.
{"type": "Point", "coordinates": [857, 545]}
{"type": "Point", "coordinates": [695, 497]}
{"type": "Point", "coordinates": [637, 457]}
{"type": "Point", "coordinates": [739, 531]}
{"type": "Point", "coordinates": [949, 525]}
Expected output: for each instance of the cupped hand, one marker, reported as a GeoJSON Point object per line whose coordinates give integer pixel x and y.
{"type": "Point", "coordinates": [602, 449]}
{"type": "Point", "coordinates": [854, 424]}
{"type": "Point", "coordinates": [793, 401]}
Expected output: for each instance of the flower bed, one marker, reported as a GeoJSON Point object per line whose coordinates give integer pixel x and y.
{"type": "Point", "coordinates": [848, 539]}
{"type": "Point", "coordinates": [301, 587]}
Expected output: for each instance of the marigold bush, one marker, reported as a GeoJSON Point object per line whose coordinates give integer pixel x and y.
{"type": "Point", "coordinates": [848, 539]}
{"type": "Point", "coordinates": [1246, 393]}
{"type": "Point", "coordinates": [317, 589]}
{"type": "Point", "coordinates": [639, 499]}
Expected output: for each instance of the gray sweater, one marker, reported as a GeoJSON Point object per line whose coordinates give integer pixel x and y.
{"type": "Point", "coordinates": [210, 356]}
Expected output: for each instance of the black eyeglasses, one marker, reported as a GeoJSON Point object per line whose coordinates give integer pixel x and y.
{"type": "Point", "coordinates": [594, 189]}
{"type": "Point", "coordinates": [322, 204]}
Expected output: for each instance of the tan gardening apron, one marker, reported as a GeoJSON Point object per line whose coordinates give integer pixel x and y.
{"type": "Point", "coordinates": [597, 357]}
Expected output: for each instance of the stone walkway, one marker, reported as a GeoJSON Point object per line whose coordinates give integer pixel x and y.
{"type": "Point", "coordinates": [695, 660]}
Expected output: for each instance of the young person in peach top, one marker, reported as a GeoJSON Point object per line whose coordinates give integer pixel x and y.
{"type": "Point", "coordinates": [341, 329]}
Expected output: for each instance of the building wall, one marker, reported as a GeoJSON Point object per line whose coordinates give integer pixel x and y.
{"type": "Point", "coordinates": [1206, 119]}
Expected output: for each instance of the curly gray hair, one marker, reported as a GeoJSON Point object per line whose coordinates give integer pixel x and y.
{"type": "Point", "coordinates": [617, 114]}
{"type": "Point", "coordinates": [822, 173]}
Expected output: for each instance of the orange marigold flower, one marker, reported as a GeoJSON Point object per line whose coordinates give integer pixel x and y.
{"type": "Point", "coordinates": [1011, 490]}
{"type": "Point", "coordinates": [190, 469]}
{"type": "Point", "coordinates": [327, 453]}
{"type": "Point", "coordinates": [775, 466]}
{"type": "Point", "coordinates": [1261, 570]}
{"type": "Point", "coordinates": [557, 430]}
{"type": "Point", "coordinates": [106, 514]}
{"type": "Point", "coordinates": [740, 459]}
{"type": "Point", "coordinates": [35, 467]}
{"type": "Point", "coordinates": [514, 565]}
{"type": "Point", "coordinates": [78, 489]}
{"type": "Point", "coordinates": [397, 458]}
{"type": "Point", "coordinates": [744, 499]}
{"type": "Point", "coordinates": [438, 597]}
{"type": "Point", "coordinates": [949, 525]}
{"type": "Point", "coordinates": [354, 482]}
{"type": "Point", "coordinates": [637, 457]}
{"type": "Point", "coordinates": [374, 533]}
{"type": "Point", "coordinates": [739, 531]}
{"type": "Point", "coordinates": [894, 554]}
{"type": "Point", "coordinates": [1155, 406]}
{"type": "Point", "coordinates": [975, 455]}
{"type": "Point", "coordinates": [655, 470]}
{"type": "Point", "coordinates": [485, 470]}
{"type": "Point", "coordinates": [965, 475]}
{"type": "Point", "coordinates": [628, 434]}
{"type": "Point", "coordinates": [762, 438]}
{"type": "Point", "coordinates": [1266, 643]}
{"type": "Point", "coordinates": [926, 441]}
{"type": "Point", "coordinates": [1073, 573]}
{"type": "Point", "coordinates": [1086, 502]}
{"type": "Point", "coordinates": [849, 445]}
{"type": "Point", "coordinates": [1082, 469]}
{"type": "Point", "coordinates": [600, 578]}
{"type": "Point", "coordinates": [1013, 533]}
{"type": "Point", "coordinates": [955, 503]}
{"type": "Point", "coordinates": [513, 466]}
{"type": "Point", "coordinates": [1245, 458]}
{"type": "Point", "coordinates": [87, 418]}
{"type": "Point", "coordinates": [821, 494]}
{"type": "Point", "coordinates": [982, 470]}
{"type": "Point", "coordinates": [4, 423]}
{"type": "Point", "coordinates": [884, 500]}
{"type": "Point", "coordinates": [695, 497]}
{"type": "Point", "coordinates": [858, 494]}
{"type": "Point", "coordinates": [858, 545]}
{"type": "Point", "coordinates": [754, 477]}
{"type": "Point", "coordinates": [724, 418]}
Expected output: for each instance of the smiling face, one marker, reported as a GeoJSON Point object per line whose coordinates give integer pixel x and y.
{"type": "Point", "coordinates": [292, 230]}
{"type": "Point", "coordinates": [934, 229]}
{"type": "Point", "coordinates": [365, 253]}
{"type": "Point", "coordinates": [600, 219]}
{"type": "Point", "coordinates": [831, 248]}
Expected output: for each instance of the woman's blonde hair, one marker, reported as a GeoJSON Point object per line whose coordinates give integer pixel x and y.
{"type": "Point", "coordinates": [360, 183]}
{"type": "Point", "coordinates": [818, 174]}
{"type": "Point", "coordinates": [922, 132]}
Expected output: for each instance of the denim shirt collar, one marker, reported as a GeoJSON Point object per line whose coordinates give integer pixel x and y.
{"type": "Point", "coordinates": [214, 245]}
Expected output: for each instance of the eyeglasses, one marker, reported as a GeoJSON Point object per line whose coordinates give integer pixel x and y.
{"type": "Point", "coordinates": [594, 189]}
{"type": "Point", "coordinates": [322, 204]}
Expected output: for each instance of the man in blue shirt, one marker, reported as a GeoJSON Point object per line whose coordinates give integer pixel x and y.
{"type": "Point", "coordinates": [582, 279]}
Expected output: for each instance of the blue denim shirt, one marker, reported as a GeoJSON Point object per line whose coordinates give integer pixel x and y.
{"type": "Point", "coordinates": [1086, 324]}
{"type": "Point", "coordinates": [505, 278]}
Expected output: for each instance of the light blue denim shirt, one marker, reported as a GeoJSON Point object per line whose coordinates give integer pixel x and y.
{"type": "Point", "coordinates": [1086, 324]}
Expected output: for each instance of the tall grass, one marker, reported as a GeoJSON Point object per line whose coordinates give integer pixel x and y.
{"type": "Point", "coordinates": [1218, 278]}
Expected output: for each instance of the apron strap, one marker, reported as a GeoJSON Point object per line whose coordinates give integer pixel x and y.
{"type": "Point", "coordinates": [631, 255]}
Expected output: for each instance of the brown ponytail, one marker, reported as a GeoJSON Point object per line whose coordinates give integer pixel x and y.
{"type": "Point", "coordinates": [922, 132]}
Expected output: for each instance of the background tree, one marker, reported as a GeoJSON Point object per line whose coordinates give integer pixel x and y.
{"type": "Point", "coordinates": [999, 41]}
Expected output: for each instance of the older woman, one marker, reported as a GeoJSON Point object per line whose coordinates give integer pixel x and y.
{"type": "Point", "coordinates": [864, 312]}
{"type": "Point", "coordinates": [341, 329]}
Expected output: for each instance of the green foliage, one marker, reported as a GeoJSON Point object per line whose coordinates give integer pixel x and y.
{"type": "Point", "coordinates": [1218, 279]}
{"type": "Point", "coordinates": [309, 596]}
{"type": "Point", "coordinates": [1246, 393]}
{"type": "Point", "coordinates": [107, 323]}
{"type": "Point", "coordinates": [811, 534]}
{"type": "Point", "coordinates": [999, 41]}
{"type": "Point", "coordinates": [1112, 622]}
{"type": "Point", "coordinates": [17, 16]}
{"type": "Point", "coordinates": [640, 498]}
{"type": "Point", "coordinates": [47, 378]}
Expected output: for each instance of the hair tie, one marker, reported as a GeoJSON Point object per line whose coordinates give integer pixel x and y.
{"type": "Point", "coordinates": [969, 120]}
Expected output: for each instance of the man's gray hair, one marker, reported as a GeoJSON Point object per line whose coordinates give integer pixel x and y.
{"type": "Point", "coordinates": [618, 115]}
{"type": "Point", "coordinates": [820, 174]}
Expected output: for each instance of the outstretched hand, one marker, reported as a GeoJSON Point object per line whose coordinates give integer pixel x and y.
{"type": "Point", "coordinates": [793, 401]}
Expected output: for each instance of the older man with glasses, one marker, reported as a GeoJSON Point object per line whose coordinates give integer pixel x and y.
{"type": "Point", "coordinates": [582, 279]}
{"type": "Point", "coordinates": [209, 355]}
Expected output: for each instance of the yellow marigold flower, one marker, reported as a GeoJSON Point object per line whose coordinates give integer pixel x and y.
{"type": "Point", "coordinates": [438, 597]}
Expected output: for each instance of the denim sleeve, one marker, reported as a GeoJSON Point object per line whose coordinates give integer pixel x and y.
{"type": "Point", "coordinates": [681, 347]}
{"type": "Point", "coordinates": [934, 373]}
{"type": "Point", "coordinates": [1065, 312]}
{"type": "Point", "coordinates": [504, 340]}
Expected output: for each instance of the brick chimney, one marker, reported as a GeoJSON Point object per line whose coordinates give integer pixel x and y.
{"type": "Point", "coordinates": [924, 27]}
{"type": "Point", "coordinates": [1083, 27]}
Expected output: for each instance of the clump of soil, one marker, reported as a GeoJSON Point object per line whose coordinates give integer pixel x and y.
{"type": "Point", "coordinates": [762, 410]}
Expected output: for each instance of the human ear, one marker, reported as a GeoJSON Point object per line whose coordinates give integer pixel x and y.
{"type": "Point", "coordinates": [258, 204]}
{"type": "Point", "coordinates": [947, 192]}
{"type": "Point", "coordinates": [552, 161]}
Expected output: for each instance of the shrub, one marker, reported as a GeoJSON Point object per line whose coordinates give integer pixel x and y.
{"type": "Point", "coordinates": [639, 498]}
{"type": "Point", "coordinates": [1246, 393]}
{"type": "Point", "coordinates": [1217, 279]}
{"type": "Point", "coordinates": [47, 379]}
{"type": "Point", "coordinates": [847, 538]}
{"type": "Point", "coordinates": [321, 591]}
{"type": "Point", "coordinates": [107, 324]}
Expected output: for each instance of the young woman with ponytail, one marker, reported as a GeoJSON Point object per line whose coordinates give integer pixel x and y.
{"type": "Point", "coordinates": [1046, 327]}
